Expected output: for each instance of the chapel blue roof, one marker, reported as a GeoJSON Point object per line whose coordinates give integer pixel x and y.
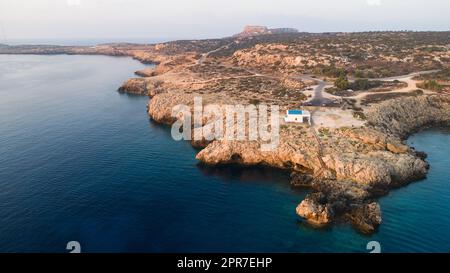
{"type": "Point", "coordinates": [295, 112]}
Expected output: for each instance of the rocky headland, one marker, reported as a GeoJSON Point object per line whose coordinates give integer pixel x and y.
{"type": "Point", "coordinates": [345, 167]}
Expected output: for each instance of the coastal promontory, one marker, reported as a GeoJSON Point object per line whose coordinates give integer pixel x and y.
{"type": "Point", "coordinates": [365, 92]}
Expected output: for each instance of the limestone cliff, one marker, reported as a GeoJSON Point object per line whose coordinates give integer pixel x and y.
{"type": "Point", "coordinates": [141, 86]}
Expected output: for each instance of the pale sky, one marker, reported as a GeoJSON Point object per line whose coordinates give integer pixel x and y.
{"type": "Point", "coordinates": [82, 19]}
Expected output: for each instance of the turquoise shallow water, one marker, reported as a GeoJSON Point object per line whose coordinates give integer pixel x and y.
{"type": "Point", "coordinates": [79, 161]}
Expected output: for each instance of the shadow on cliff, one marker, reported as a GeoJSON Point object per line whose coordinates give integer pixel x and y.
{"type": "Point", "coordinates": [248, 174]}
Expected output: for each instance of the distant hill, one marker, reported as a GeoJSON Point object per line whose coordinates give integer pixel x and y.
{"type": "Point", "coordinates": [263, 30]}
{"type": "Point", "coordinates": [283, 30]}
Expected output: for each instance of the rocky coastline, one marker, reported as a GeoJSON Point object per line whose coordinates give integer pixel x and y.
{"type": "Point", "coordinates": [348, 169]}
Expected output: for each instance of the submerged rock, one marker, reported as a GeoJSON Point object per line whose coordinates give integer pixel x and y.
{"type": "Point", "coordinates": [366, 218]}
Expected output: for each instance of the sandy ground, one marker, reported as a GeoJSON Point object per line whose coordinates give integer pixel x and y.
{"type": "Point", "coordinates": [334, 118]}
{"type": "Point", "coordinates": [329, 117]}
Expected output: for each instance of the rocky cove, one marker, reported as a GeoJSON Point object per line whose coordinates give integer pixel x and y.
{"type": "Point", "coordinates": [347, 169]}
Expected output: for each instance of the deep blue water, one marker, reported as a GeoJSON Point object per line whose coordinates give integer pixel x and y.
{"type": "Point", "coordinates": [79, 161]}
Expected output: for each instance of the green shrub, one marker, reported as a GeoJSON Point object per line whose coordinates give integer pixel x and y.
{"type": "Point", "coordinates": [431, 85]}
{"type": "Point", "coordinates": [359, 74]}
{"type": "Point", "coordinates": [359, 115]}
{"type": "Point", "coordinates": [342, 82]}
{"type": "Point", "coordinates": [364, 84]}
{"type": "Point", "coordinates": [254, 101]}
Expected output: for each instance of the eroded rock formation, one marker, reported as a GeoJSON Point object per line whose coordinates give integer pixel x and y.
{"type": "Point", "coordinates": [410, 115]}
{"type": "Point", "coordinates": [141, 86]}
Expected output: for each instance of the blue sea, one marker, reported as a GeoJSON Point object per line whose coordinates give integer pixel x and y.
{"type": "Point", "coordinates": [81, 162]}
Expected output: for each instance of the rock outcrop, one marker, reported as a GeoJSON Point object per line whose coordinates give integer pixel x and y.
{"type": "Point", "coordinates": [365, 218]}
{"type": "Point", "coordinates": [401, 117]}
{"type": "Point", "coordinates": [253, 31]}
{"type": "Point", "coordinates": [134, 86]}
{"type": "Point", "coordinates": [160, 106]}
{"type": "Point", "coordinates": [316, 210]}
{"type": "Point", "coordinates": [146, 72]}
{"type": "Point", "coordinates": [141, 86]}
